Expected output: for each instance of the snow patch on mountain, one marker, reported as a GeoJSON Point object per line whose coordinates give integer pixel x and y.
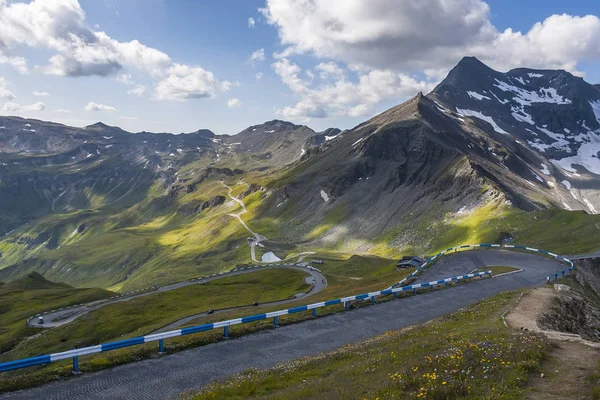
{"type": "Point", "coordinates": [526, 97]}
{"type": "Point", "coordinates": [539, 178]}
{"type": "Point", "coordinates": [560, 141]}
{"type": "Point", "coordinates": [357, 142]}
{"type": "Point", "coordinates": [477, 114]}
{"type": "Point", "coordinates": [590, 206]}
{"type": "Point", "coordinates": [477, 96]}
{"type": "Point", "coordinates": [328, 138]}
{"type": "Point", "coordinates": [587, 156]}
{"type": "Point", "coordinates": [567, 184]}
{"type": "Point", "coordinates": [270, 257]}
{"type": "Point", "coordinates": [324, 195]}
{"type": "Point", "coordinates": [520, 115]}
{"type": "Point", "coordinates": [545, 169]}
{"type": "Point", "coordinates": [532, 75]}
{"type": "Point", "coordinates": [567, 206]}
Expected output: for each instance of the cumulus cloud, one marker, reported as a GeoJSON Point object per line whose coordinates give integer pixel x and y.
{"type": "Point", "coordinates": [186, 82]}
{"type": "Point", "coordinates": [15, 107]}
{"type": "Point", "coordinates": [341, 96]}
{"type": "Point", "coordinates": [138, 90]}
{"type": "Point", "coordinates": [91, 106]}
{"type": "Point", "coordinates": [428, 34]}
{"type": "Point", "coordinates": [62, 110]}
{"type": "Point", "coordinates": [259, 75]}
{"type": "Point", "coordinates": [125, 78]}
{"type": "Point", "coordinates": [234, 103]}
{"type": "Point", "coordinates": [41, 94]}
{"type": "Point", "coordinates": [17, 63]}
{"type": "Point", "coordinates": [60, 27]}
{"type": "Point", "coordinates": [4, 92]}
{"type": "Point", "coordinates": [251, 22]}
{"type": "Point", "coordinates": [256, 57]}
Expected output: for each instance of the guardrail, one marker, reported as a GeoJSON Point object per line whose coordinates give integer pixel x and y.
{"type": "Point", "coordinates": [487, 245]}
{"type": "Point", "coordinates": [160, 337]}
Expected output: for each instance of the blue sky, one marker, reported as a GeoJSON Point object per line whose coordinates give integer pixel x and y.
{"type": "Point", "coordinates": [327, 63]}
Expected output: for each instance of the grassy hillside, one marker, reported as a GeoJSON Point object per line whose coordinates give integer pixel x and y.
{"type": "Point", "coordinates": [22, 298]}
{"type": "Point", "coordinates": [145, 314]}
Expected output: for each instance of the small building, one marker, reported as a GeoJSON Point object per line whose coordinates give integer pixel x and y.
{"type": "Point", "coordinates": [317, 261]}
{"type": "Point", "coordinates": [410, 262]}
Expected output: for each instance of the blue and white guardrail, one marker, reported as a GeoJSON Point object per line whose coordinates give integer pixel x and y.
{"type": "Point", "coordinates": [75, 353]}
{"type": "Point", "coordinates": [486, 245]}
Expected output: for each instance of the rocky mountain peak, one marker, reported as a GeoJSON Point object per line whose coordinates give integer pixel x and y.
{"type": "Point", "coordinates": [554, 112]}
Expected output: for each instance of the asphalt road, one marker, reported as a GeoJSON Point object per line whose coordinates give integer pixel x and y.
{"type": "Point", "coordinates": [171, 375]}
{"type": "Point", "coordinates": [62, 317]}
{"type": "Point", "coordinates": [316, 280]}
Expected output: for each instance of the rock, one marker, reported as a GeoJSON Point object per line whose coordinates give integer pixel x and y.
{"type": "Point", "coordinates": [541, 375]}
{"type": "Point", "coordinates": [559, 287]}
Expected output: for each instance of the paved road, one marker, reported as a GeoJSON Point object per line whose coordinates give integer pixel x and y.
{"type": "Point", "coordinates": [316, 279]}
{"type": "Point", "coordinates": [62, 317]}
{"type": "Point", "coordinates": [170, 375]}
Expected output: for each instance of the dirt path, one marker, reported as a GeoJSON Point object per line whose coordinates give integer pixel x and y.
{"type": "Point", "coordinates": [566, 373]}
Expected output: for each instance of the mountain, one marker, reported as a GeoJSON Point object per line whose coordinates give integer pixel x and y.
{"type": "Point", "coordinates": [486, 156]}
{"type": "Point", "coordinates": [552, 113]}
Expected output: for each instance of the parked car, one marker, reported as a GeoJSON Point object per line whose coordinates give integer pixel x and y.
{"type": "Point", "coordinates": [317, 261]}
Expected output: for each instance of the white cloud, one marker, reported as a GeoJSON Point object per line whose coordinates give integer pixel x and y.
{"type": "Point", "coordinates": [41, 94]}
{"type": "Point", "coordinates": [186, 82]}
{"type": "Point", "coordinates": [234, 103]}
{"type": "Point", "coordinates": [427, 34]}
{"type": "Point", "coordinates": [60, 27]}
{"type": "Point", "coordinates": [138, 90]}
{"type": "Point", "coordinates": [15, 107]}
{"type": "Point", "coordinates": [125, 78]}
{"type": "Point", "coordinates": [91, 106]}
{"type": "Point", "coordinates": [342, 97]}
{"type": "Point", "coordinates": [62, 110]}
{"type": "Point", "coordinates": [251, 22]}
{"type": "Point", "coordinates": [259, 75]}
{"type": "Point", "coordinates": [256, 57]}
{"type": "Point", "coordinates": [17, 63]}
{"type": "Point", "coordinates": [4, 92]}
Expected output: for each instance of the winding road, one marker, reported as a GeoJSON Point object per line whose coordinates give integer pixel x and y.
{"type": "Point", "coordinates": [316, 280]}
{"type": "Point", "coordinates": [65, 316]}
{"type": "Point", "coordinates": [258, 238]}
{"type": "Point", "coordinates": [171, 375]}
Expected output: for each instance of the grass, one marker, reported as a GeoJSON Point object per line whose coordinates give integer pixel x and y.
{"type": "Point", "coordinates": [30, 295]}
{"type": "Point", "coordinates": [146, 314]}
{"type": "Point", "coordinates": [559, 231]}
{"type": "Point", "coordinates": [497, 269]}
{"type": "Point", "coordinates": [469, 354]}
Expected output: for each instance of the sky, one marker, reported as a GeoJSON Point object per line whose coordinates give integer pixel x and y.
{"type": "Point", "coordinates": [179, 66]}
